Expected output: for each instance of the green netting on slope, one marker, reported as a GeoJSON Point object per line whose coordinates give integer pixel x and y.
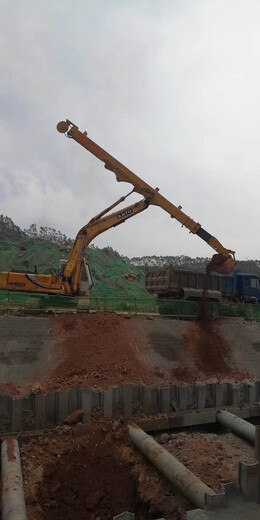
{"type": "Point", "coordinates": [111, 274]}
{"type": "Point", "coordinates": [42, 254]}
{"type": "Point", "coordinates": [105, 262]}
{"type": "Point", "coordinates": [8, 254]}
{"type": "Point", "coordinates": [5, 245]}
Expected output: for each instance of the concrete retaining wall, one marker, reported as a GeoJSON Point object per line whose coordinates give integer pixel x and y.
{"type": "Point", "coordinates": [43, 411]}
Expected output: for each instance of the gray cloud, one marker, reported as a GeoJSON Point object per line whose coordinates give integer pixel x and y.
{"type": "Point", "coordinates": [170, 88]}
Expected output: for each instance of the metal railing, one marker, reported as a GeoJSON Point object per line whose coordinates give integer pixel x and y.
{"type": "Point", "coordinates": [37, 303]}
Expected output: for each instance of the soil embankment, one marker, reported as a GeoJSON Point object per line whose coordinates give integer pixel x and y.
{"type": "Point", "coordinates": [104, 350]}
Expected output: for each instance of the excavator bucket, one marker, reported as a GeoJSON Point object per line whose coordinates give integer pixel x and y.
{"type": "Point", "coordinates": [221, 264]}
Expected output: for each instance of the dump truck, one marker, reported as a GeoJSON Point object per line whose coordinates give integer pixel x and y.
{"type": "Point", "coordinates": [183, 284]}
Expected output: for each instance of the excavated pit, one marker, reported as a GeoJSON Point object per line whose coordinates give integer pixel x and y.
{"type": "Point", "coordinates": [85, 478]}
{"type": "Point", "coordinates": [91, 480]}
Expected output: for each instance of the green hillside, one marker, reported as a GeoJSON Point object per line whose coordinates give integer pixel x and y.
{"type": "Point", "coordinates": [113, 276]}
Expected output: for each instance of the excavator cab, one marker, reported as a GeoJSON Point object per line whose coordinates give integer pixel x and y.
{"type": "Point", "coordinates": [86, 281]}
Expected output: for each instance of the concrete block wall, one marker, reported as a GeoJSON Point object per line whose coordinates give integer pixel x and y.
{"type": "Point", "coordinates": [44, 411]}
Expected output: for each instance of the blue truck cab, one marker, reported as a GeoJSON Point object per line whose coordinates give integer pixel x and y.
{"type": "Point", "coordinates": [247, 287]}
{"type": "Point", "coordinates": [237, 286]}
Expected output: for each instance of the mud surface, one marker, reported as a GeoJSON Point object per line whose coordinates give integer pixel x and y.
{"type": "Point", "coordinates": [92, 478]}
{"type": "Point", "coordinates": [104, 350]}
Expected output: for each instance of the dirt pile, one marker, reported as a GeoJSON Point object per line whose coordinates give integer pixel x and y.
{"type": "Point", "coordinates": [211, 352]}
{"type": "Point", "coordinates": [97, 351]}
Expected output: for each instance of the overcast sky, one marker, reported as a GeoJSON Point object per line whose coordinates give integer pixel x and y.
{"type": "Point", "coordinates": [169, 87]}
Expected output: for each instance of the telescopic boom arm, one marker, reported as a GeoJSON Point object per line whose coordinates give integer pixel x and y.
{"type": "Point", "coordinates": [223, 262]}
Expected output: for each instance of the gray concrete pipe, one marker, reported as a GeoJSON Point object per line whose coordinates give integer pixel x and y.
{"type": "Point", "coordinates": [182, 478]}
{"type": "Point", "coordinates": [237, 425]}
{"type": "Point", "coordinates": [13, 503]}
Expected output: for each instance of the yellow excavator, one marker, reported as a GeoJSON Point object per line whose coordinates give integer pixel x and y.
{"type": "Point", "coordinates": [74, 276]}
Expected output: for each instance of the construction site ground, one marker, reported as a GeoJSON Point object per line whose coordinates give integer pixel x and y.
{"type": "Point", "coordinates": [69, 474]}
{"type": "Point", "coordinates": [99, 475]}
{"type": "Point", "coordinates": [102, 350]}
